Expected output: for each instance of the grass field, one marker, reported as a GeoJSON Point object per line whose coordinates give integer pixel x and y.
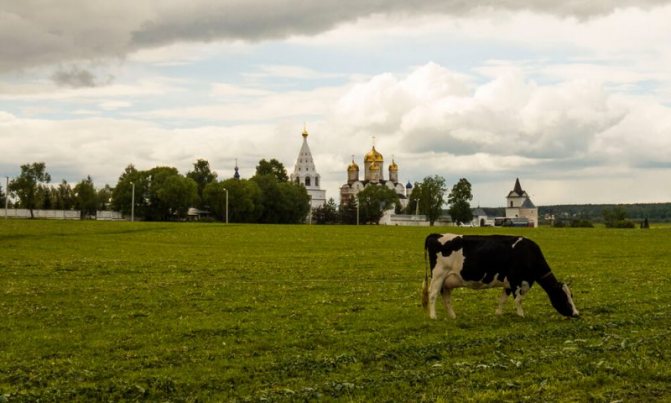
{"type": "Point", "coordinates": [210, 312]}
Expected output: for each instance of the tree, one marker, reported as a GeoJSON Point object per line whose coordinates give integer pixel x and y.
{"type": "Point", "coordinates": [429, 194]}
{"type": "Point", "coordinates": [274, 168]}
{"type": "Point", "coordinates": [616, 218]}
{"type": "Point", "coordinates": [347, 211]}
{"type": "Point", "coordinates": [282, 201]}
{"type": "Point", "coordinates": [373, 201]}
{"type": "Point", "coordinates": [122, 195]}
{"type": "Point", "coordinates": [326, 214]}
{"type": "Point", "coordinates": [65, 196]}
{"type": "Point", "coordinates": [175, 195]}
{"type": "Point", "coordinates": [244, 200]}
{"type": "Point", "coordinates": [296, 202]}
{"type": "Point", "coordinates": [202, 175]}
{"type": "Point", "coordinates": [26, 184]}
{"type": "Point", "coordinates": [86, 197]}
{"type": "Point", "coordinates": [104, 197]}
{"type": "Point", "coordinates": [459, 198]}
{"type": "Point", "coordinates": [3, 197]}
{"type": "Point", "coordinates": [43, 198]}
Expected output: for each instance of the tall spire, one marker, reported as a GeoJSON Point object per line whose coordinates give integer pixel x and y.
{"type": "Point", "coordinates": [518, 187]}
{"type": "Point", "coordinates": [236, 175]}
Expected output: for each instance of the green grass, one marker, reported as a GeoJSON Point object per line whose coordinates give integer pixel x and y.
{"type": "Point", "coordinates": [183, 312]}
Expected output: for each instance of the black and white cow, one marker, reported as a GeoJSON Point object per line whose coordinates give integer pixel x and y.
{"type": "Point", "coordinates": [487, 261]}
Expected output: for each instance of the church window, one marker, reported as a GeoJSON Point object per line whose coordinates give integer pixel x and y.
{"type": "Point", "coordinates": [317, 181]}
{"type": "Point", "coordinates": [307, 181]}
{"type": "Point", "coordinates": [511, 203]}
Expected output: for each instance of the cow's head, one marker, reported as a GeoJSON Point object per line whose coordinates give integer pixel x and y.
{"type": "Point", "coordinates": [562, 300]}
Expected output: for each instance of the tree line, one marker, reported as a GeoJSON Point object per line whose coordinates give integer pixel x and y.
{"type": "Point", "coordinates": [163, 194]}
{"type": "Point", "coordinates": [608, 213]}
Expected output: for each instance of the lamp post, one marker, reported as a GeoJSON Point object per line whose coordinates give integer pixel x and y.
{"type": "Point", "coordinates": [226, 190]}
{"type": "Point", "coordinates": [417, 209]}
{"type": "Point", "coordinates": [358, 201]}
{"type": "Point", "coordinates": [132, 203]}
{"type": "Point", "coordinates": [6, 196]}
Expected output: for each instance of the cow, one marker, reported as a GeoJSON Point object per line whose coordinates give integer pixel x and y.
{"type": "Point", "coordinates": [487, 261]}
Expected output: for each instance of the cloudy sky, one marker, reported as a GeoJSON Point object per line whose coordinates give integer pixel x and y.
{"type": "Point", "coordinates": [573, 97]}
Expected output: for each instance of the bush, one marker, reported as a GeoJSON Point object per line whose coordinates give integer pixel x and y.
{"type": "Point", "coordinates": [582, 224]}
{"type": "Point", "coordinates": [620, 224]}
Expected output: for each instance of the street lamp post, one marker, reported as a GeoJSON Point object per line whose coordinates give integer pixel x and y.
{"type": "Point", "coordinates": [6, 196]}
{"type": "Point", "coordinates": [358, 201]}
{"type": "Point", "coordinates": [226, 190]}
{"type": "Point", "coordinates": [132, 203]}
{"type": "Point", "coordinates": [417, 209]}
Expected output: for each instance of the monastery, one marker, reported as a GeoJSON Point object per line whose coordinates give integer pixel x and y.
{"type": "Point", "coordinates": [373, 163]}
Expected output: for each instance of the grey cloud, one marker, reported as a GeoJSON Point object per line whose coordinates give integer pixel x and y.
{"type": "Point", "coordinates": [34, 35]}
{"type": "Point", "coordinates": [76, 77]}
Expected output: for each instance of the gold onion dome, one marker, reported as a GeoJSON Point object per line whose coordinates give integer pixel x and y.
{"type": "Point", "coordinates": [373, 156]}
{"type": "Point", "coordinates": [393, 167]}
{"type": "Point", "coordinates": [374, 167]}
{"type": "Point", "coordinates": [305, 132]}
{"type": "Point", "coordinates": [353, 167]}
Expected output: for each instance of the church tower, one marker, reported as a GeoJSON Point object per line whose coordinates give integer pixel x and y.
{"type": "Point", "coordinates": [519, 205]}
{"type": "Point", "coordinates": [306, 174]}
{"type": "Point", "coordinates": [352, 172]}
{"type": "Point", "coordinates": [373, 162]}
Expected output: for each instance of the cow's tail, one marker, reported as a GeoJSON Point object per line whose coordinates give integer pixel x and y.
{"type": "Point", "coordinates": [425, 284]}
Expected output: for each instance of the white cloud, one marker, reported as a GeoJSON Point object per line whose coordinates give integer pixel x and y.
{"type": "Point", "coordinates": [255, 105]}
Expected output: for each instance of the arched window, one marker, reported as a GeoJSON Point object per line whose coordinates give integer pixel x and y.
{"type": "Point", "coordinates": [317, 181]}
{"type": "Point", "coordinates": [307, 181]}
{"type": "Point", "coordinates": [511, 203]}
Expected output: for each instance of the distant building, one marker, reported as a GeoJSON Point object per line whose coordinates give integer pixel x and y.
{"type": "Point", "coordinates": [373, 176]}
{"type": "Point", "coordinates": [236, 175]}
{"type": "Point", "coordinates": [306, 174]}
{"type": "Point", "coordinates": [519, 207]}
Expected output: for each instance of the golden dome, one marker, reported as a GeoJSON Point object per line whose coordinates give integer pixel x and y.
{"type": "Point", "coordinates": [305, 132]}
{"type": "Point", "coordinates": [352, 167]}
{"type": "Point", "coordinates": [393, 167]}
{"type": "Point", "coordinates": [374, 167]}
{"type": "Point", "coordinates": [373, 156]}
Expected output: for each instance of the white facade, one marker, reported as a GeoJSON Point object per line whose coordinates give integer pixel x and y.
{"type": "Point", "coordinates": [519, 205]}
{"type": "Point", "coordinates": [59, 214]}
{"type": "Point", "coordinates": [306, 174]}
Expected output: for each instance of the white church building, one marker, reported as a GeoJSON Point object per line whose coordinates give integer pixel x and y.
{"type": "Point", "coordinates": [306, 174]}
{"type": "Point", "coordinates": [520, 206]}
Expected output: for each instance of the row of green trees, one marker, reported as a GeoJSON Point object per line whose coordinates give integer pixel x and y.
{"type": "Point", "coordinates": [163, 193]}
{"type": "Point", "coordinates": [33, 191]}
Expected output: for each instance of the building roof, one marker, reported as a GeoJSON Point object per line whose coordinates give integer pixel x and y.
{"type": "Point", "coordinates": [373, 156]}
{"type": "Point", "coordinates": [528, 204]}
{"type": "Point", "coordinates": [393, 167]}
{"type": "Point", "coordinates": [517, 190]}
{"type": "Point", "coordinates": [479, 212]}
{"type": "Point", "coordinates": [353, 166]}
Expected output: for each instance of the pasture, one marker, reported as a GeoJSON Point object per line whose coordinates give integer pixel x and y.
{"type": "Point", "coordinates": [185, 312]}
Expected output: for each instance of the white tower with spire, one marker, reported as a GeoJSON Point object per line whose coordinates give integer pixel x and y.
{"type": "Point", "coordinates": [306, 174]}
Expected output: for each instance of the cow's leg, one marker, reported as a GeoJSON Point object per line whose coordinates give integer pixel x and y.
{"type": "Point", "coordinates": [434, 289]}
{"type": "Point", "coordinates": [447, 300]}
{"type": "Point", "coordinates": [502, 300]}
{"type": "Point", "coordinates": [520, 292]}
